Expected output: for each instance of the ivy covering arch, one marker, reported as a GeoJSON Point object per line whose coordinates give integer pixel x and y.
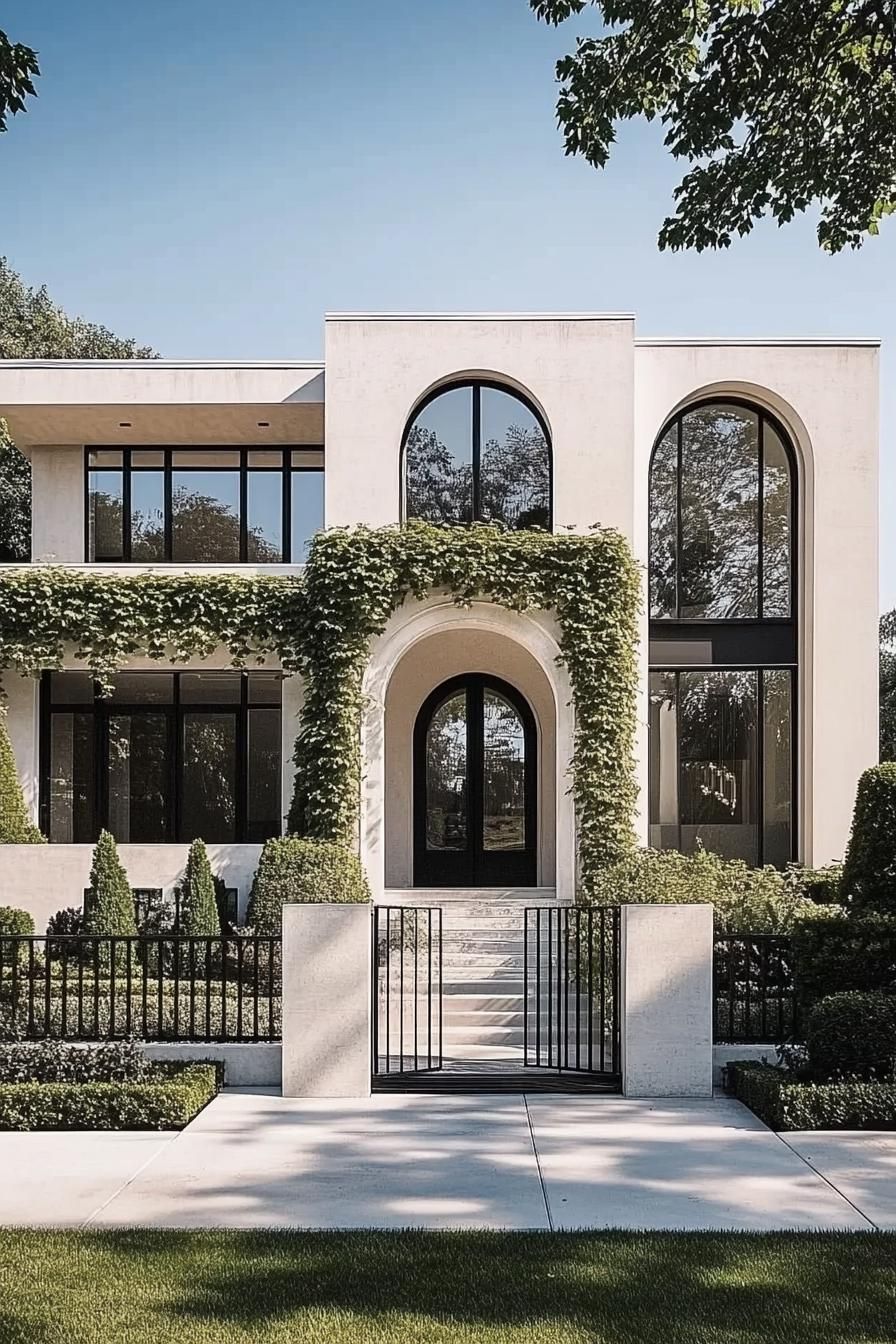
{"type": "Point", "coordinates": [320, 623]}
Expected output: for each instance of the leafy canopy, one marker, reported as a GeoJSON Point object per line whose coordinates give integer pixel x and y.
{"type": "Point", "coordinates": [18, 70]}
{"type": "Point", "coordinates": [32, 326]}
{"type": "Point", "coordinates": [777, 105]}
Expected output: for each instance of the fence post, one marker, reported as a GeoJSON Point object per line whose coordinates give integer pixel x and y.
{"type": "Point", "coordinates": [666, 992]}
{"type": "Point", "coordinates": [326, 1005]}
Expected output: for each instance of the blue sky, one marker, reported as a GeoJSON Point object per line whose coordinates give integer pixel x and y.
{"type": "Point", "coordinates": [210, 177]}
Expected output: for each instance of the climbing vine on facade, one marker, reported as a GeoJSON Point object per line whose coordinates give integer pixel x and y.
{"type": "Point", "coordinates": [321, 623]}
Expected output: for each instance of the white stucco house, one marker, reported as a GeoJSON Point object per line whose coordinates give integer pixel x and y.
{"type": "Point", "coordinates": [744, 474]}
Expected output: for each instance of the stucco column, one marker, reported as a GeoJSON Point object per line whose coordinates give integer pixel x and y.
{"type": "Point", "coordinates": [326, 1000]}
{"type": "Point", "coordinates": [666, 991]}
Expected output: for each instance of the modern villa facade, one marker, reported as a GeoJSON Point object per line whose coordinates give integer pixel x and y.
{"type": "Point", "coordinates": [743, 474]}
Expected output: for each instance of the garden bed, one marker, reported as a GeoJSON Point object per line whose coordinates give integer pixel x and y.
{"type": "Point", "coordinates": [53, 1085]}
{"type": "Point", "coordinates": [169, 1101]}
{"type": "Point", "coordinates": [786, 1102]}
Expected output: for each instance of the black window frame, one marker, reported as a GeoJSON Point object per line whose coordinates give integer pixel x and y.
{"type": "Point", "coordinates": [286, 470]}
{"type": "Point", "coordinates": [676, 670]}
{"type": "Point", "coordinates": [476, 387]}
{"type": "Point", "coordinates": [102, 708]}
{"type": "Point", "coordinates": [736, 643]}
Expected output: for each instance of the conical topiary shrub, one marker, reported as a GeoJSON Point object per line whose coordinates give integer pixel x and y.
{"type": "Point", "coordinates": [16, 827]}
{"type": "Point", "coordinates": [198, 908]}
{"type": "Point", "coordinates": [110, 907]}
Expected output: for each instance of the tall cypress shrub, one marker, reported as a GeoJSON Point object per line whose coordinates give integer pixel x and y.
{"type": "Point", "coordinates": [110, 907]}
{"type": "Point", "coordinates": [16, 827]}
{"type": "Point", "coordinates": [869, 870]}
{"type": "Point", "coordinates": [198, 907]}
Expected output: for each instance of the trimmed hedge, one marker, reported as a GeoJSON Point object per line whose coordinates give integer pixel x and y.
{"type": "Point", "coordinates": [760, 900]}
{"type": "Point", "coordinates": [784, 1102]}
{"type": "Point", "coordinates": [844, 952]}
{"type": "Point", "coordinates": [291, 870]}
{"type": "Point", "coordinates": [169, 1102]}
{"type": "Point", "coordinates": [869, 869]}
{"type": "Point", "coordinates": [852, 1036]}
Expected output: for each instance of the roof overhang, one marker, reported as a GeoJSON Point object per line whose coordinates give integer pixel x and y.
{"type": "Point", "coordinates": [56, 402]}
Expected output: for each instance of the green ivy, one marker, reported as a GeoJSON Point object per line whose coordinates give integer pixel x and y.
{"type": "Point", "coordinates": [355, 579]}
{"type": "Point", "coordinates": [321, 623]}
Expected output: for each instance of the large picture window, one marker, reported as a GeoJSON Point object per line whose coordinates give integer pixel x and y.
{"type": "Point", "coordinates": [478, 452]}
{"type": "Point", "coordinates": [723, 635]}
{"type": "Point", "coordinates": [167, 756]}
{"type": "Point", "coordinates": [215, 506]}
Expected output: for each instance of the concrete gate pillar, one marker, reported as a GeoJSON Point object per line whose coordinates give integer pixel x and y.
{"type": "Point", "coordinates": [666, 1000]}
{"type": "Point", "coordinates": [326, 1007]}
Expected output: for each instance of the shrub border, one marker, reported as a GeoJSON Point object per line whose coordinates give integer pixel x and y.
{"type": "Point", "coordinates": [784, 1102]}
{"type": "Point", "coordinates": [321, 623]}
{"type": "Point", "coordinates": [165, 1103]}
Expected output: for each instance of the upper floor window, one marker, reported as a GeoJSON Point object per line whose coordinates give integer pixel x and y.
{"type": "Point", "coordinates": [476, 451]}
{"type": "Point", "coordinates": [217, 506]}
{"type": "Point", "coordinates": [721, 517]}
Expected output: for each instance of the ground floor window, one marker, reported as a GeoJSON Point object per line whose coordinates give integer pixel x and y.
{"type": "Point", "coordinates": [168, 756]}
{"type": "Point", "coordinates": [722, 762]}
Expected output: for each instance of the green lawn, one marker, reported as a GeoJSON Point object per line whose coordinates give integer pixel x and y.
{"type": "Point", "coordinates": [432, 1288]}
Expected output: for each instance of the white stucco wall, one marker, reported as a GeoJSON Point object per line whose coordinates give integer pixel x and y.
{"type": "Point", "coordinates": [826, 396]}
{"type": "Point", "coordinates": [57, 509]}
{"type": "Point", "coordinates": [579, 371]}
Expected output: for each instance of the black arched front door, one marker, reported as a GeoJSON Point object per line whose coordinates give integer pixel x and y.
{"type": "Point", "coordinates": [474, 786]}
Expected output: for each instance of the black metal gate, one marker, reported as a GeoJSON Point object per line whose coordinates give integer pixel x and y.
{"type": "Point", "coordinates": [407, 990]}
{"type": "Point", "coordinates": [571, 1007]}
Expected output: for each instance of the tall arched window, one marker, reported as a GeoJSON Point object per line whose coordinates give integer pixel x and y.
{"type": "Point", "coordinates": [476, 451]}
{"type": "Point", "coordinates": [723, 635]}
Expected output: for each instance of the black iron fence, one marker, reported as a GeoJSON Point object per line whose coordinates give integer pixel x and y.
{"type": "Point", "coordinates": [407, 989]}
{"type": "Point", "coordinates": [571, 1010]}
{"type": "Point", "coordinates": [753, 989]}
{"type": "Point", "coordinates": [155, 988]}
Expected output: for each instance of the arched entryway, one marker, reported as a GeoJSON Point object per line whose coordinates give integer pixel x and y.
{"type": "Point", "coordinates": [475, 783]}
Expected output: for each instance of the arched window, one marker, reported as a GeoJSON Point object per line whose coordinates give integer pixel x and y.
{"type": "Point", "coordinates": [723, 635]}
{"type": "Point", "coordinates": [476, 451]}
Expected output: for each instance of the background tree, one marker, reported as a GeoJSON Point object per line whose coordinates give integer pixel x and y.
{"type": "Point", "coordinates": [18, 70]}
{"type": "Point", "coordinates": [888, 686]}
{"type": "Point", "coordinates": [32, 326]}
{"type": "Point", "coordinates": [777, 104]}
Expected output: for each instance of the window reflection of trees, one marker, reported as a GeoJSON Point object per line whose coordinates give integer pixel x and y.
{"type": "Point", "coordinates": [705, 478]}
{"type": "Point", "coordinates": [504, 775]}
{"type": "Point", "coordinates": [446, 775]}
{"type": "Point", "coordinates": [512, 468]}
{"type": "Point", "coordinates": [205, 531]}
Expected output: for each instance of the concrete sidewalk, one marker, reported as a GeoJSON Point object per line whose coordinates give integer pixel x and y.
{"type": "Point", "coordinates": [255, 1159]}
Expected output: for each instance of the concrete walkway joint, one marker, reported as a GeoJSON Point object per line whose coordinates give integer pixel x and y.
{"type": "Point", "coordinates": [254, 1159]}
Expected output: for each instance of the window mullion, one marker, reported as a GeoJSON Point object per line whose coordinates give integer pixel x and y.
{"type": "Point", "coordinates": [477, 432]}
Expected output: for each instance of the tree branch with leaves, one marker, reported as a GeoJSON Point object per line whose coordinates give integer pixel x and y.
{"type": "Point", "coordinates": [779, 106]}
{"type": "Point", "coordinates": [18, 70]}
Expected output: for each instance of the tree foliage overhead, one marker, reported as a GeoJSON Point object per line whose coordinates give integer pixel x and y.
{"type": "Point", "coordinates": [32, 326]}
{"type": "Point", "coordinates": [18, 71]}
{"type": "Point", "coordinates": [777, 105]}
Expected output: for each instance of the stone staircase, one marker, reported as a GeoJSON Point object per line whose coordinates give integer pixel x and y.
{"type": "Point", "coordinates": [482, 972]}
